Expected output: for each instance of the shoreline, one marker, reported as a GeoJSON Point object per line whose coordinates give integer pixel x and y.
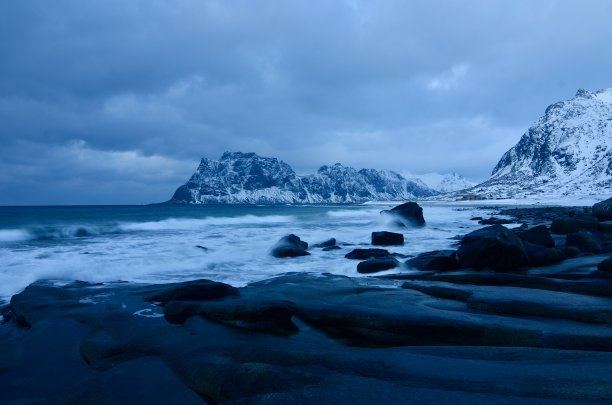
{"type": "Point", "coordinates": [467, 336]}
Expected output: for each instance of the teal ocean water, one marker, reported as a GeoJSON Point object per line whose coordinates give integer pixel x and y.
{"type": "Point", "coordinates": [228, 243]}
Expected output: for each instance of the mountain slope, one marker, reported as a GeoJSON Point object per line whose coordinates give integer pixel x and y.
{"type": "Point", "coordinates": [248, 178]}
{"type": "Point", "coordinates": [568, 151]}
{"type": "Point", "coordinates": [443, 183]}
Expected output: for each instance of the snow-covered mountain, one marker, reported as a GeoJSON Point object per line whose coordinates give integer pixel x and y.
{"type": "Point", "coordinates": [444, 183]}
{"type": "Point", "coordinates": [567, 152]}
{"type": "Point", "coordinates": [248, 178]}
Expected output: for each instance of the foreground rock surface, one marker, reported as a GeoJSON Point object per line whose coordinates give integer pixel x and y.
{"type": "Point", "coordinates": [461, 336]}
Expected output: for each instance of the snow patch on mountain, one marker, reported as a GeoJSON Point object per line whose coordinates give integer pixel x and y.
{"type": "Point", "coordinates": [444, 183]}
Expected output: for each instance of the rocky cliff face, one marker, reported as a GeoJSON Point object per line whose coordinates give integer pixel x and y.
{"type": "Point", "coordinates": [567, 152]}
{"type": "Point", "coordinates": [248, 178]}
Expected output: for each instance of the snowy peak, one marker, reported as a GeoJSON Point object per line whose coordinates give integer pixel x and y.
{"type": "Point", "coordinates": [567, 151]}
{"type": "Point", "coordinates": [248, 178]}
{"type": "Point", "coordinates": [444, 183]}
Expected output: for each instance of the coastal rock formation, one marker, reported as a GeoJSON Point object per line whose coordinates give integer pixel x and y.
{"type": "Point", "coordinates": [408, 214]}
{"type": "Point", "coordinates": [494, 247]}
{"type": "Point", "coordinates": [603, 210]}
{"type": "Point", "coordinates": [248, 178]}
{"type": "Point", "coordinates": [290, 246]}
{"type": "Point", "coordinates": [386, 238]}
{"type": "Point", "coordinates": [567, 152]}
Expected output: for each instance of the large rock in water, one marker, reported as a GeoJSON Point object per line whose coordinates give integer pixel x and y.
{"type": "Point", "coordinates": [377, 264]}
{"type": "Point", "coordinates": [290, 246]}
{"type": "Point", "coordinates": [603, 210]}
{"type": "Point", "coordinates": [495, 247]}
{"type": "Point", "coordinates": [408, 214]}
{"type": "Point", "coordinates": [385, 238]}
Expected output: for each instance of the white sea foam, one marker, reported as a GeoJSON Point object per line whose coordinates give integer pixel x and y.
{"type": "Point", "coordinates": [237, 248]}
{"type": "Point", "coordinates": [194, 224]}
{"type": "Point", "coordinates": [13, 235]}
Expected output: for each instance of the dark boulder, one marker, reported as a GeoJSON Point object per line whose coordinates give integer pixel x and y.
{"type": "Point", "coordinates": [364, 254]}
{"type": "Point", "coordinates": [494, 247]}
{"type": "Point", "coordinates": [408, 214]}
{"type": "Point", "coordinates": [585, 241]}
{"type": "Point", "coordinates": [272, 316]}
{"type": "Point", "coordinates": [495, 221]}
{"type": "Point", "coordinates": [603, 210]}
{"type": "Point", "coordinates": [197, 290]}
{"type": "Point", "coordinates": [290, 246]}
{"type": "Point", "coordinates": [564, 226]}
{"type": "Point", "coordinates": [567, 225]}
{"type": "Point", "coordinates": [569, 251]}
{"type": "Point", "coordinates": [606, 265]}
{"type": "Point", "coordinates": [543, 256]}
{"type": "Point", "coordinates": [377, 264]}
{"type": "Point", "coordinates": [438, 260]}
{"type": "Point", "coordinates": [385, 238]}
{"type": "Point", "coordinates": [326, 244]}
{"type": "Point", "coordinates": [538, 235]}
{"type": "Point", "coordinates": [605, 227]}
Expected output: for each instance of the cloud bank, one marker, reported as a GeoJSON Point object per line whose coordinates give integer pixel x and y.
{"type": "Point", "coordinates": [116, 101]}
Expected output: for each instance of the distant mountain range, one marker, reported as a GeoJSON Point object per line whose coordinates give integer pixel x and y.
{"type": "Point", "coordinates": [248, 178]}
{"type": "Point", "coordinates": [567, 152]}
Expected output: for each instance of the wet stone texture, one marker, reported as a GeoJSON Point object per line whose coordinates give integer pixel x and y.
{"type": "Point", "coordinates": [512, 316]}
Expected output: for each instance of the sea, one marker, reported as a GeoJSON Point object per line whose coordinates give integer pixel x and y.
{"type": "Point", "coordinates": [226, 243]}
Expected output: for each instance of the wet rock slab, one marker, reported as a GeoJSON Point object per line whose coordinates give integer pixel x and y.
{"type": "Point", "coordinates": [460, 336]}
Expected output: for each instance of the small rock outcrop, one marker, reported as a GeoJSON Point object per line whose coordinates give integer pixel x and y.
{"type": "Point", "coordinates": [408, 214]}
{"type": "Point", "coordinates": [538, 235]}
{"type": "Point", "coordinates": [606, 265]}
{"type": "Point", "coordinates": [437, 260]}
{"type": "Point", "coordinates": [364, 254]}
{"type": "Point", "coordinates": [377, 264]}
{"type": "Point", "coordinates": [290, 246]}
{"type": "Point", "coordinates": [494, 247]}
{"type": "Point", "coordinates": [603, 210]}
{"type": "Point", "coordinates": [385, 238]}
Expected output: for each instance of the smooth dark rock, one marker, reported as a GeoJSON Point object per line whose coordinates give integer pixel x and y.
{"type": "Point", "coordinates": [605, 227]}
{"type": "Point", "coordinates": [494, 247]}
{"type": "Point", "coordinates": [585, 241]}
{"type": "Point", "coordinates": [408, 214]}
{"type": "Point", "coordinates": [364, 254]}
{"type": "Point", "coordinates": [564, 226]}
{"type": "Point", "coordinates": [570, 251]}
{"type": "Point", "coordinates": [603, 210]}
{"type": "Point", "coordinates": [198, 290]}
{"type": "Point", "coordinates": [476, 219]}
{"type": "Point", "coordinates": [328, 248]}
{"type": "Point", "coordinates": [605, 265]}
{"type": "Point", "coordinates": [385, 238]}
{"type": "Point", "coordinates": [377, 264]}
{"type": "Point", "coordinates": [438, 260]}
{"type": "Point", "coordinates": [543, 256]}
{"type": "Point", "coordinates": [290, 246]}
{"type": "Point", "coordinates": [495, 221]}
{"type": "Point", "coordinates": [256, 315]}
{"type": "Point", "coordinates": [326, 244]}
{"type": "Point", "coordinates": [538, 235]}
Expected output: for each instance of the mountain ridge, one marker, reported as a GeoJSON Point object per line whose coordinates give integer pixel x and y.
{"type": "Point", "coordinates": [567, 151]}
{"type": "Point", "coordinates": [239, 177]}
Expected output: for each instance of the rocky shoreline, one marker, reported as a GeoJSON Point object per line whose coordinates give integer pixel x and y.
{"type": "Point", "coordinates": [521, 315]}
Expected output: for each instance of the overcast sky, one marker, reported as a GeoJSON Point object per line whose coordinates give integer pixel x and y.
{"type": "Point", "coordinates": [115, 101]}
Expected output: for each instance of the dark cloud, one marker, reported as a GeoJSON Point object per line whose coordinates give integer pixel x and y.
{"type": "Point", "coordinates": [115, 101]}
